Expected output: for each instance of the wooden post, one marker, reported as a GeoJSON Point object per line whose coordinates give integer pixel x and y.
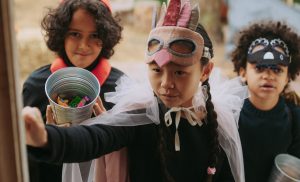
{"type": "Point", "coordinates": [13, 160]}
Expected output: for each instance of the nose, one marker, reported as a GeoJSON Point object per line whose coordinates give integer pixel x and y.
{"type": "Point", "coordinates": [268, 74]}
{"type": "Point", "coordinates": [167, 81]}
{"type": "Point", "coordinates": [84, 43]}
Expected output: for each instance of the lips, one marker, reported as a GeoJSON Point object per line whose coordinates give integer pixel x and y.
{"type": "Point", "coordinates": [168, 95]}
{"type": "Point", "coordinates": [267, 86]}
{"type": "Point", "coordinates": [82, 54]}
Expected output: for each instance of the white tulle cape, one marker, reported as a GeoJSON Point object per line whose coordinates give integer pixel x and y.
{"type": "Point", "coordinates": [135, 104]}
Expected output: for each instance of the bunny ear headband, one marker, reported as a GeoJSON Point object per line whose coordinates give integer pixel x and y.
{"type": "Point", "coordinates": [173, 37]}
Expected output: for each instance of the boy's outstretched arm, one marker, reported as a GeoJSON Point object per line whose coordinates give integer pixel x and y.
{"type": "Point", "coordinates": [36, 134]}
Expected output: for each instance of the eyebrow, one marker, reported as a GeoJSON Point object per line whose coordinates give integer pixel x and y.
{"type": "Point", "coordinates": [77, 30]}
{"type": "Point", "coordinates": [176, 64]}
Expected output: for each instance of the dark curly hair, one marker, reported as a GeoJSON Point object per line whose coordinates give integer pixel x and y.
{"type": "Point", "coordinates": [212, 123]}
{"type": "Point", "coordinates": [57, 21]}
{"type": "Point", "coordinates": [269, 30]}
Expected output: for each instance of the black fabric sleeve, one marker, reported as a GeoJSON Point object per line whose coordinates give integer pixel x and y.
{"type": "Point", "coordinates": [295, 146]}
{"type": "Point", "coordinates": [81, 143]}
{"type": "Point", "coordinates": [32, 97]}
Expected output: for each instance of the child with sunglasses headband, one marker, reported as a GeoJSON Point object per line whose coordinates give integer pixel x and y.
{"type": "Point", "coordinates": [267, 57]}
{"type": "Point", "coordinates": [178, 127]}
{"type": "Point", "coordinates": [82, 33]}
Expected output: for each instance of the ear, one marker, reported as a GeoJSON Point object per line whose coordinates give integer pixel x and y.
{"type": "Point", "coordinates": [242, 74]}
{"type": "Point", "coordinates": [206, 71]}
{"type": "Point", "coordinates": [288, 79]}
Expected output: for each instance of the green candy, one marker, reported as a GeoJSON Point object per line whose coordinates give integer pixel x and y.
{"type": "Point", "coordinates": [74, 102]}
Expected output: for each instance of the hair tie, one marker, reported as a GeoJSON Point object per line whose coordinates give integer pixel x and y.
{"type": "Point", "coordinates": [211, 170]}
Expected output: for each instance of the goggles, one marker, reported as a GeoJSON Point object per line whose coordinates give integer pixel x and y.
{"type": "Point", "coordinates": [174, 44]}
{"type": "Point", "coordinates": [269, 54]}
{"type": "Point", "coordinates": [273, 43]}
{"type": "Point", "coordinates": [179, 47]}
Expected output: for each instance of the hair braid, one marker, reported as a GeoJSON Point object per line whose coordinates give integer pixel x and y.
{"type": "Point", "coordinates": [213, 125]}
{"type": "Point", "coordinates": [162, 148]}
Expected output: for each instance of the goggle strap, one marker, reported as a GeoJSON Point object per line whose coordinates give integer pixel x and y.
{"type": "Point", "coordinates": [206, 53]}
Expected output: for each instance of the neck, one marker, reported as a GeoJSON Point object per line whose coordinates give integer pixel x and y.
{"type": "Point", "coordinates": [264, 105]}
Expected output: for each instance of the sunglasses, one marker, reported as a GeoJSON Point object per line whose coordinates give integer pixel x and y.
{"type": "Point", "coordinates": [179, 47]}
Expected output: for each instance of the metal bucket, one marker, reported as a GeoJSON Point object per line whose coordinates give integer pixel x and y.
{"type": "Point", "coordinates": [286, 169]}
{"type": "Point", "coordinates": [72, 81]}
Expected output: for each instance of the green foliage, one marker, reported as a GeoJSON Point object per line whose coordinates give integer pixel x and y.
{"type": "Point", "coordinates": [161, 1]}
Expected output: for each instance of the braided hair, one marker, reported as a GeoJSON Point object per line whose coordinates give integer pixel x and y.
{"type": "Point", "coordinates": [212, 122]}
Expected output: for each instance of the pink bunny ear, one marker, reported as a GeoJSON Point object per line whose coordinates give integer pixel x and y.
{"type": "Point", "coordinates": [172, 13]}
{"type": "Point", "coordinates": [185, 15]}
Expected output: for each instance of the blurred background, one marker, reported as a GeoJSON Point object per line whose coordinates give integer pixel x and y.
{"type": "Point", "coordinates": [222, 18]}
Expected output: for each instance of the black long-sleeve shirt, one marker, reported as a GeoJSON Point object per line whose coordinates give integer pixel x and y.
{"type": "Point", "coordinates": [265, 134]}
{"type": "Point", "coordinates": [80, 143]}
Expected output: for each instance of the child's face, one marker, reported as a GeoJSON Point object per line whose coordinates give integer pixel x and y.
{"type": "Point", "coordinates": [82, 44]}
{"type": "Point", "coordinates": [175, 85]}
{"type": "Point", "coordinates": [265, 84]}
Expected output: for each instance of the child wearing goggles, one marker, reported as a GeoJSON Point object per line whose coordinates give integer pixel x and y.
{"type": "Point", "coordinates": [267, 57]}
{"type": "Point", "coordinates": [178, 127]}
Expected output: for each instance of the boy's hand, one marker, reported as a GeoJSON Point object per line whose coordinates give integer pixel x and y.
{"type": "Point", "coordinates": [51, 119]}
{"type": "Point", "coordinates": [36, 134]}
{"type": "Point", "coordinates": [98, 107]}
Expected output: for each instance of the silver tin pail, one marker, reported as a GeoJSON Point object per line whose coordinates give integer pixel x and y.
{"type": "Point", "coordinates": [286, 169]}
{"type": "Point", "coordinates": [72, 81]}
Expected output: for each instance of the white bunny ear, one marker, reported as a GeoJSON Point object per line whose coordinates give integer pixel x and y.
{"type": "Point", "coordinates": [195, 15]}
{"type": "Point", "coordinates": [163, 11]}
{"type": "Point", "coordinates": [154, 17]}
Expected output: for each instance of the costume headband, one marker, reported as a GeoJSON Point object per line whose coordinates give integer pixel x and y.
{"type": "Point", "coordinates": [269, 55]}
{"type": "Point", "coordinates": [173, 37]}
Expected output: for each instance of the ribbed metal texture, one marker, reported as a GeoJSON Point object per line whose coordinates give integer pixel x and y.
{"type": "Point", "coordinates": [71, 82]}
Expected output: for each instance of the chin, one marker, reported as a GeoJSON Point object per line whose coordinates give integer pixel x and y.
{"type": "Point", "coordinates": [170, 104]}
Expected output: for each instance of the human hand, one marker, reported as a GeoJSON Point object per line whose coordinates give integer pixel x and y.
{"type": "Point", "coordinates": [50, 119]}
{"type": "Point", "coordinates": [36, 134]}
{"type": "Point", "coordinates": [98, 107]}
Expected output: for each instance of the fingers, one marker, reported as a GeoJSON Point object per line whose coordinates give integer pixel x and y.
{"type": "Point", "coordinates": [31, 114]}
{"type": "Point", "coordinates": [36, 134]}
{"type": "Point", "coordinates": [51, 120]}
{"type": "Point", "coordinates": [98, 107]}
{"type": "Point", "coordinates": [99, 102]}
{"type": "Point", "coordinates": [49, 116]}
{"type": "Point", "coordinates": [97, 110]}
